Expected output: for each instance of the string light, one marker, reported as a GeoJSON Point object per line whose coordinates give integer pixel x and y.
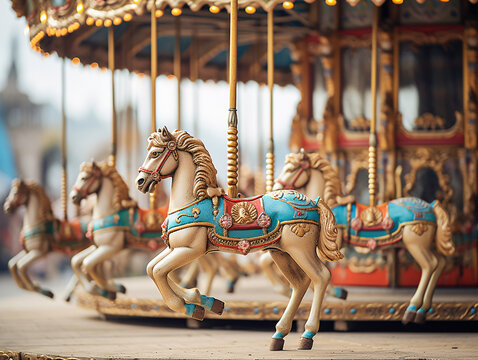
{"type": "Point", "coordinates": [158, 13]}
{"type": "Point", "coordinates": [99, 22]}
{"type": "Point", "coordinates": [43, 17]}
{"type": "Point", "coordinates": [332, 2]}
{"type": "Point", "coordinates": [27, 30]}
{"type": "Point", "coordinates": [444, 0]}
{"type": "Point", "coordinates": [397, 2]}
{"type": "Point", "coordinates": [64, 31]}
{"type": "Point", "coordinates": [90, 21]}
{"type": "Point", "coordinates": [250, 9]}
{"type": "Point", "coordinates": [136, 1]}
{"type": "Point", "coordinates": [94, 65]}
{"type": "Point", "coordinates": [288, 5]}
{"type": "Point", "coordinates": [127, 17]}
{"type": "Point", "coordinates": [80, 7]}
{"type": "Point", "coordinates": [108, 23]}
{"type": "Point", "coordinates": [214, 9]}
{"type": "Point", "coordinates": [75, 61]}
{"type": "Point", "coordinates": [117, 21]}
{"type": "Point", "coordinates": [176, 11]}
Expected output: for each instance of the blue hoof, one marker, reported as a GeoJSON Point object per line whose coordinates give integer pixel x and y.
{"type": "Point", "coordinates": [47, 293]}
{"type": "Point", "coordinates": [120, 288]}
{"type": "Point", "coordinates": [341, 293]}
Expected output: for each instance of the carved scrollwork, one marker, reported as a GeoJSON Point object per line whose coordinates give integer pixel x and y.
{"type": "Point", "coordinates": [358, 160]}
{"type": "Point", "coordinates": [429, 158]}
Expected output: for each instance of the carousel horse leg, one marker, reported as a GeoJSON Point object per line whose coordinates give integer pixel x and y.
{"type": "Point", "coordinates": [427, 299]}
{"type": "Point", "coordinates": [419, 247]}
{"type": "Point", "coordinates": [13, 267]}
{"type": "Point", "coordinates": [267, 265]}
{"type": "Point", "coordinates": [300, 283]}
{"type": "Point", "coordinates": [210, 266]}
{"type": "Point", "coordinates": [23, 264]}
{"type": "Point", "coordinates": [76, 262]}
{"type": "Point", "coordinates": [188, 280]}
{"type": "Point", "coordinates": [174, 259]}
{"type": "Point", "coordinates": [229, 269]}
{"type": "Point", "coordinates": [71, 287]}
{"type": "Point", "coordinates": [90, 266]}
{"type": "Point", "coordinates": [309, 262]}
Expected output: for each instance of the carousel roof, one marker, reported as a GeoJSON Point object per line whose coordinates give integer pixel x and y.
{"type": "Point", "coordinates": [78, 29]}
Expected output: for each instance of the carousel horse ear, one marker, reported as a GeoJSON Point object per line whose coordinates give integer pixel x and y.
{"type": "Point", "coordinates": [94, 164]}
{"type": "Point", "coordinates": [302, 153]}
{"type": "Point", "coordinates": [165, 134]}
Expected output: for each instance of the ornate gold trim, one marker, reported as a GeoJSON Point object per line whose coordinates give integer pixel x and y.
{"type": "Point", "coordinates": [244, 213]}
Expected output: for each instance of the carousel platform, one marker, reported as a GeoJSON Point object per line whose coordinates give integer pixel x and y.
{"type": "Point", "coordinates": [34, 327]}
{"type": "Point", "coordinates": [255, 299]}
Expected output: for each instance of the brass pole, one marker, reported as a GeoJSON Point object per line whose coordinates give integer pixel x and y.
{"type": "Point", "coordinates": [111, 66]}
{"type": "Point", "coordinates": [154, 74]}
{"type": "Point", "coordinates": [177, 63]}
{"type": "Point", "coordinates": [64, 204]}
{"type": "Point", "coordinates": [270, 81]}
{"type": "Point", "coordinates": [372, 149]}
{"type": "Point", "coordinates": [232, 145]}
{"type": "Point", "coordinates": [194, 74]}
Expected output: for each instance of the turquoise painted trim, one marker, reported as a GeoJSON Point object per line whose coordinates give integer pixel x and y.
{"type": "Point", "coordinates": [122, 219]}
{"type": "Point", "coordinates": [278, 335]}
{"type": "Point", "coordinates": [308, 334]}
{"type": "Point", "coordinates": [421, 311]}
{"type": "Point", "coordinates": [337, 292]}
{"type": "Point", "coordinates": [207, 301]}
{"type": "Point", "coordinates": [189, 309]}
{"type": "Point", "coordinates": [286, 206]}
{"type": "Point", "coordinates": [431, 310]}
{"type": "Point", "coordinates": [401, 211]}
{"type": "Point", "coordinates": [45, 228]}
{"type": "Point", "coordinates": [412, 308]}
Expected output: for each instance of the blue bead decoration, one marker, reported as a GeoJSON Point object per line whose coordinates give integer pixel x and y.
{"type": "Point", "coordinates": [472, 311]}
{"type": "Point", "coordinates": [278, 335]}
{"type": "Point", "coordinates": [412, 308]}
{"type": "Point", "coordinates": [431, 310]}
{"type": "Point", "coordinates": [308, 334]}
{"type": "Point", "coordinates": [256, 310]}
{"type": "Point", "coordinates": [353, 311]}
{"type": "Point", "coordinates": [156, 307]}
{"type": "Point", "coordinates": [391, 310]}
{"type": "Point", "coordinates": [327, 311]}
{"type": "Point", "coordinates": [275, 310]}
{"type": "Point", "coordinates": [133, 306]}
{"type": "Point", "coordinates": [227, 308]}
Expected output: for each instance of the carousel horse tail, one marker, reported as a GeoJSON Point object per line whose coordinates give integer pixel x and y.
{"type": "Point", "coordinates": [444, 242]}
{"type": "Point", "coordinates": [327, 245]}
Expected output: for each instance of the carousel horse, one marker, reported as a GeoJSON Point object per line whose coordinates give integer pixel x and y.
{"type": "Point", "coordinates": [202, 219]}
{"type": "Point", "coordinates": [41, 233]}
{"type": "Point", "coordinates": [117, 223]}
{"type": "Point", "coordinates": [422, 228]}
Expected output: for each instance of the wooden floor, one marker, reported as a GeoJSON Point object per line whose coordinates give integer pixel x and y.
{"type": "Point", "coordinates": [36, 326]}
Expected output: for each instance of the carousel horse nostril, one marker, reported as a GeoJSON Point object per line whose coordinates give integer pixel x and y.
{"type": "Point", "coordinates": [140, 181]}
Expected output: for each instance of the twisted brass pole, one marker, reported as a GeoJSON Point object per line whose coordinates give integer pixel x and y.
{"type": "Point", "coordinates": [154, 74]}
{"type": "Point", "coordinates": [177, 64]}
{"type": "Point", "coordinates": [232, 145]}
{"type": "Point", "coordinates": [64, 204]}
{"type": "Point", "coordinates": [111, 66]}
{"type": "Point", "coordinates": [372, 149]}
{"type": "Point", "coordinates": [270, 81]}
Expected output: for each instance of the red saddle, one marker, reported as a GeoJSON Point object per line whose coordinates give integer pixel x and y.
{"type": "Point", "coordinates": [255, 202]}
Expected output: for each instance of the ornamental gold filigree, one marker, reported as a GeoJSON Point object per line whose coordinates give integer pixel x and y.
{"type": "Point", "coordinates": [244, 213]}
{"type": "Point", "coordinates": [371, 216]}
{"type": "Point", "coordinates": [300, 229]}
{"type": "Point", "coordinates": [419, 228]}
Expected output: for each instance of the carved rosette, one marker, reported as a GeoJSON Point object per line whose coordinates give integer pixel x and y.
{"type": "Point", "coordinates": [225, 221]}
{"type": "Point", "coordinates": [264, 220]}
{"type": "Point", "coordinates": [244, 213]}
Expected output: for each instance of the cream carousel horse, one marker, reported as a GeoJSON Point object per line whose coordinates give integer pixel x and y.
{"type": "Point", "coordinates": [117, 223]}
{"type": "Point", "coordinates": [41, 233]}
{"type": "Point", "coordinates": [422, 228]}
{"type": "Point", "coordinates": [201, 220]}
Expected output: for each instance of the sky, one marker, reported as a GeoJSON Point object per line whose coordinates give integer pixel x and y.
{"type": "Point", "coordinates": [88, 93]}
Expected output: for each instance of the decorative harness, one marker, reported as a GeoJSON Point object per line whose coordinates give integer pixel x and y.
{"type": "Point", "coordinates": [85, 191]}
{"type": "Point", "coordinates": [156, 174]}
{"type": "Point", "coordinates": [304, 166]}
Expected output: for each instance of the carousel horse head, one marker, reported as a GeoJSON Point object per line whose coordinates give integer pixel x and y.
{"type": "Point", "coordinates": [87, 182]}
{"type": "Point", "coordinates": [296, 172]}
{"type": "Point", "coordinates": [163, 159]}
{"type": "Point", "coordinates": [17, 197]}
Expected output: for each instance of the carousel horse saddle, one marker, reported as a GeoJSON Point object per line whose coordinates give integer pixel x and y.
{"type": "Point", "coordinates": [257, 220]}
{"type": "Point", "coordinates": [383, 224]}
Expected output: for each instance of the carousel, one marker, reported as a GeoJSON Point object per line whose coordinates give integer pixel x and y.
{"type": "Point", "coordinates": [377, 197]}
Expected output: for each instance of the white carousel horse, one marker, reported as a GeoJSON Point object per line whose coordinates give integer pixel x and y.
{"type": "Point", "coordinates": [117, 223]}
{"type": "Point", "coordinates": [412, 221]}
{"type": "Point", "coordinates": [201, 220]}
{"type": "Point", "coordinates": [41, 233]}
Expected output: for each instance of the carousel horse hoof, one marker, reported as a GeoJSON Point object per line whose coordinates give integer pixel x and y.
{"type": "Point", "coordinates": [110, 295]}
{"type": "Point", "coordinates": [305, 343]}
{"type": "Point", "coordinates": [409, 315]}
{"type": "Point", "coordinates": [195, 311]}
{"type": "Point", "coordinates": [420, 316]}
{"type": "Point", "coordinates": [341, 293]}
{"type": "Point", "coordinates": [212, 304]}
{"type": "Point", "coordinates": [277, 344]}
{"type": "Point", "coordinates": [120, 288]}
{"type": "Point", "coordinates": [47, 293]}
{"type": "Point", "coordinates": [231, 286]}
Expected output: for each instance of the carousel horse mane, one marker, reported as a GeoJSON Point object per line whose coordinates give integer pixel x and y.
{"type": "Point", "coordinates": [205, 173]}
{"type": "Point", "coordinates": [121, 198]}
{"type": "Point", "coordinates": [44, 202]}
{"type": "Point", "coordinates": [333, 189]}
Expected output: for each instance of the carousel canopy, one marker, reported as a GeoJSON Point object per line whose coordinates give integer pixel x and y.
{"type": "Point", "coordinates": [78, 29]}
